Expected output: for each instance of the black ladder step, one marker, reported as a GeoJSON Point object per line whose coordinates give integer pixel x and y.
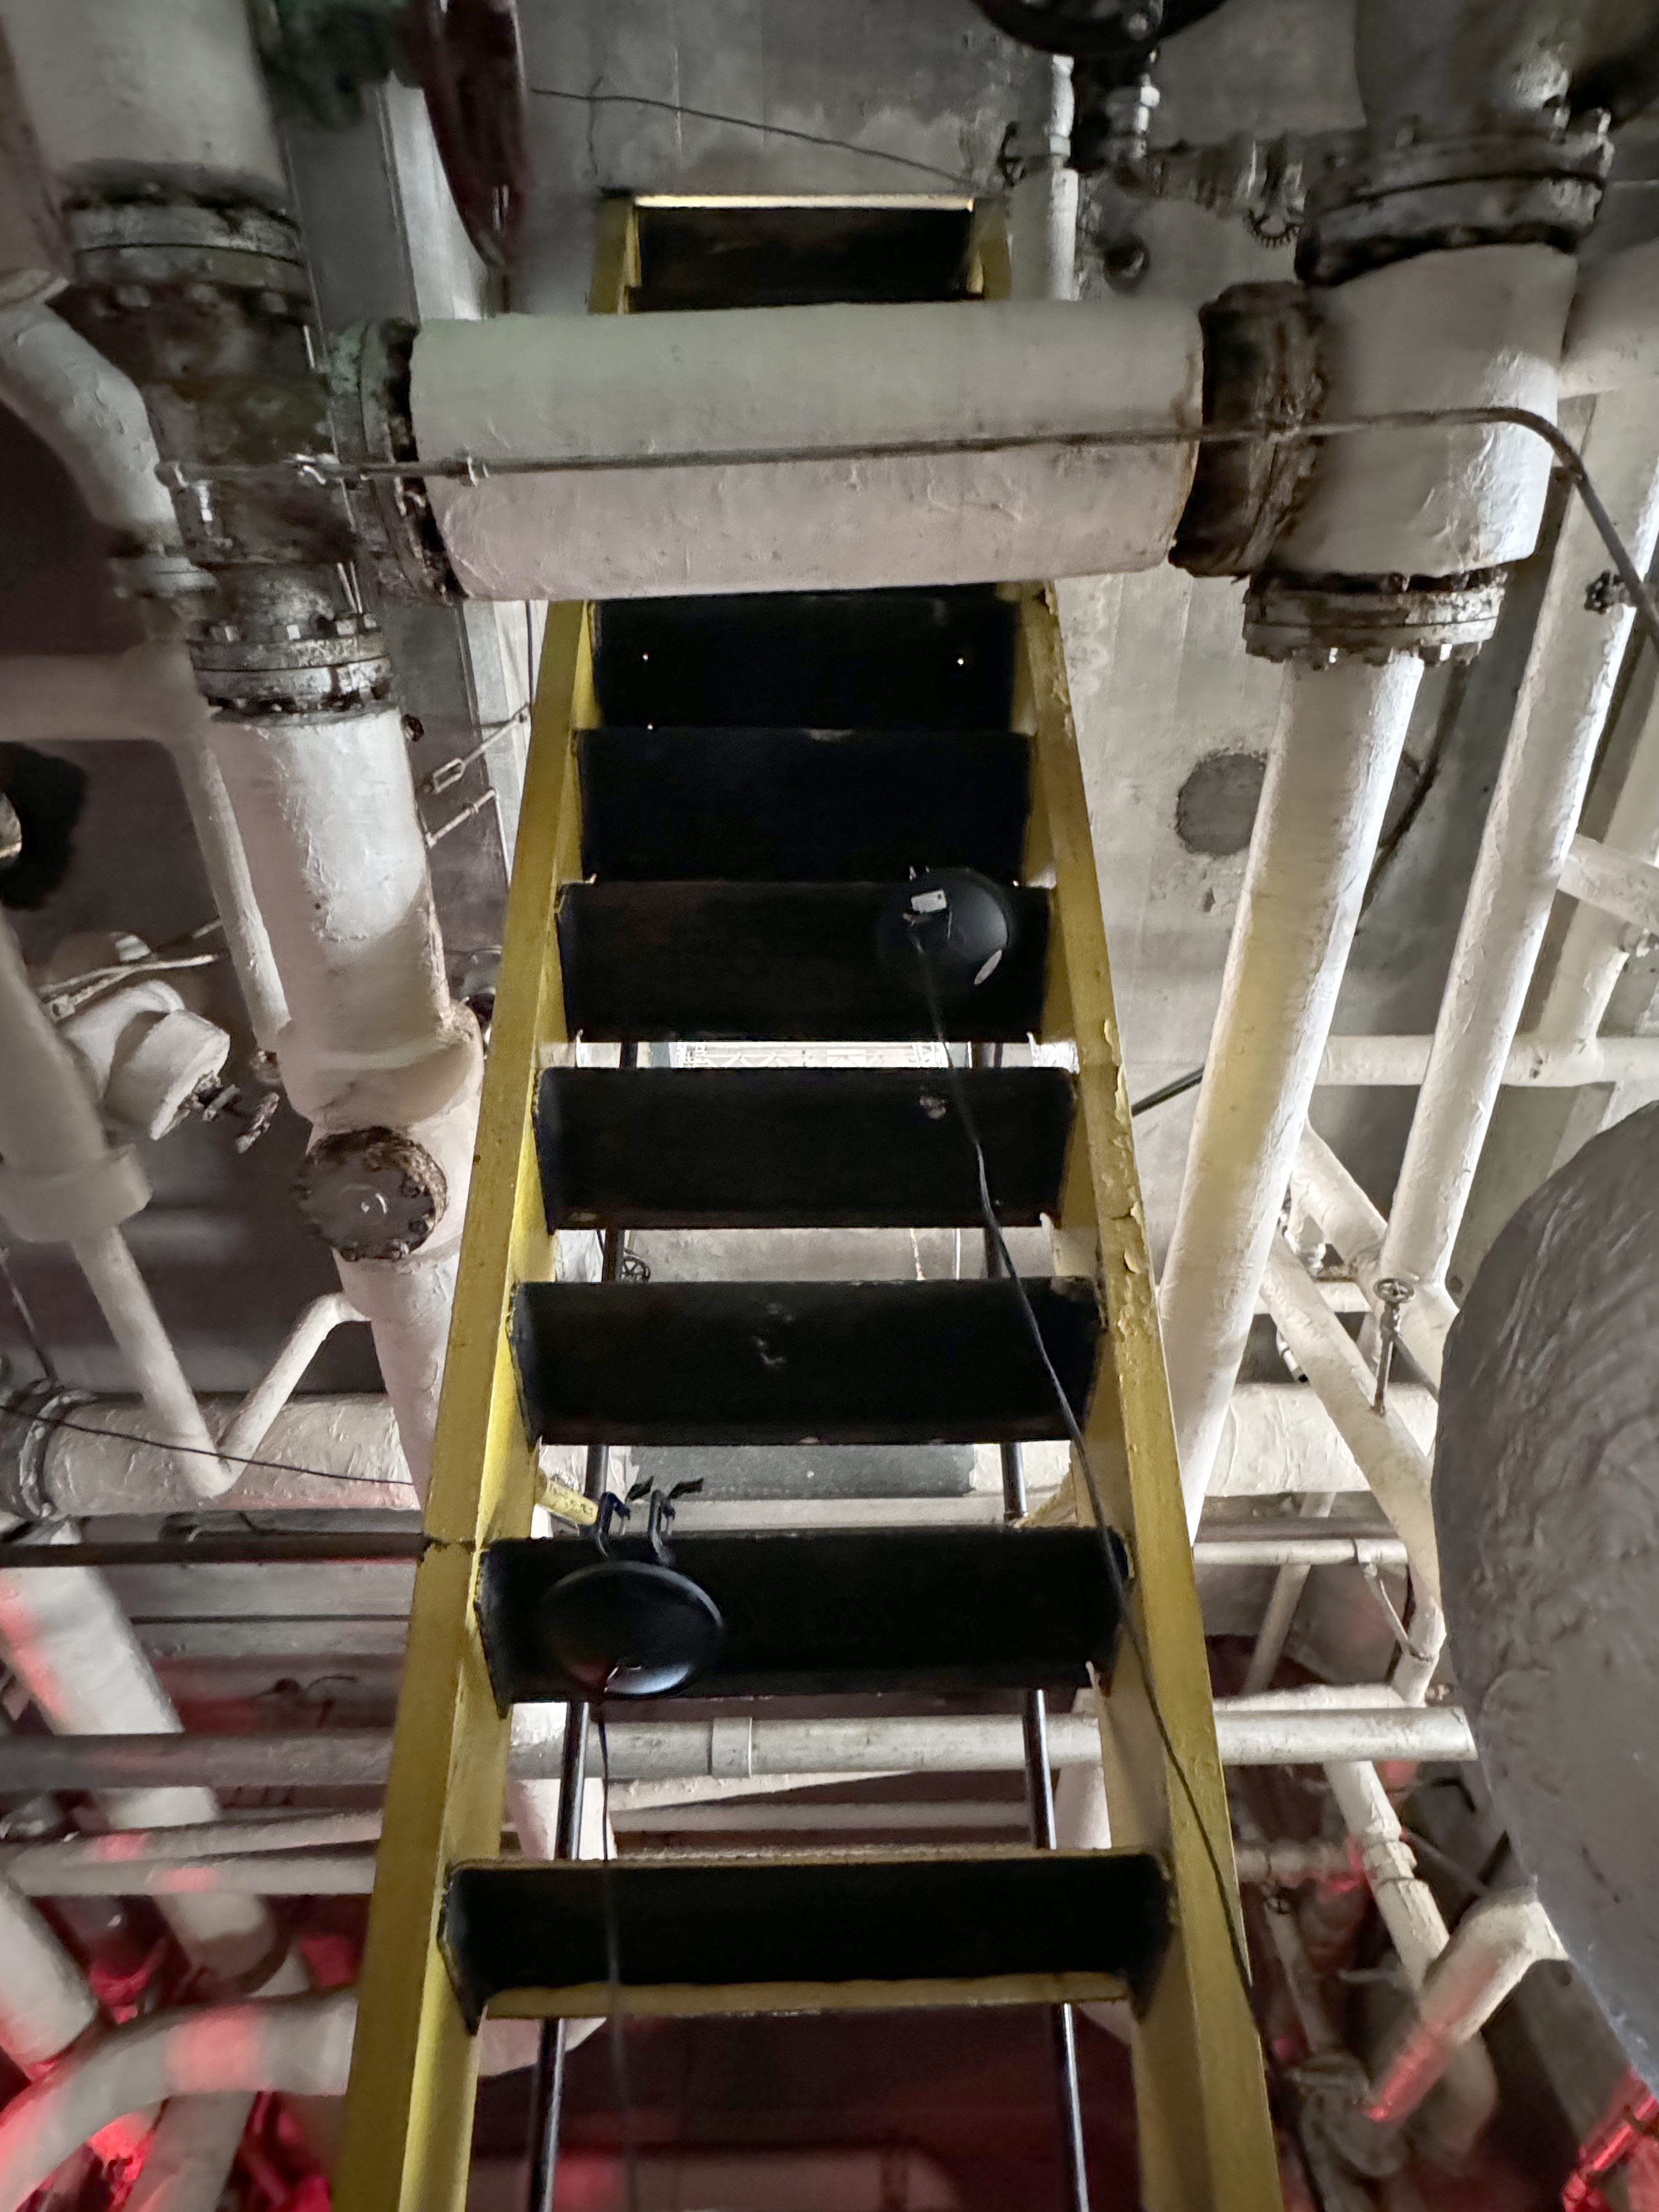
{"type": "Point", "coordinates": [802, 805]}
{"type": "Point", "coordinates": [790, 1147]}
{"type": "Point", "coordinates": [799, 1363]}
{"type": "Point", "coordinates": [838, 1613]}
{"type": "Point", "coordinates": [941, 660]}
{"type": "Point", "coordinates": [771, 961]}
{"type": "Point", "coordinates": [864, 1934]}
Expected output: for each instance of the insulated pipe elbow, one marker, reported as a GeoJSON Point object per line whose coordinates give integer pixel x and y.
{"type": "Point", "coordinates": [92, 417]}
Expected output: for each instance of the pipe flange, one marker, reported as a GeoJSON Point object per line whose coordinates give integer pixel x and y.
{"type": "Point", "coordinates": [1316, 620]}
{"type": "Point", "coordinates": [131, 245]}
{"type": "Point", "coordinates": [1365, 210]}
{"type": "Point", "coordinates": [1260, 366]}
{"type": "Point", "coordinates": [369, 373]}
{"type": "Point", "coordinates": [373, 1194]}
{"type": "Point", "coordinates": [25, 1440]}
{"type": "Point", "coordinates": [343, 667]}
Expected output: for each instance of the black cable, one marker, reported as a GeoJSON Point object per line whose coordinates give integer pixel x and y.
{"type": "Point", "coordinates": [1190, 1081]}
{"type": "Point", "coordinates": [613, 1974]}
{"type": "Point", "coordinates": [751, 123]}
{"type": "Point", "coordinates": [1102, 1527]}
{"type": "Point", "coordinates": [196, 1451]}
{"type": "Point", "coordinates": [38, 1343]}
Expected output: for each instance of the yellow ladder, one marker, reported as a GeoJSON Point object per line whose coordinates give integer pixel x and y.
{"type": "Point", "coordinates": [1204, 2132]}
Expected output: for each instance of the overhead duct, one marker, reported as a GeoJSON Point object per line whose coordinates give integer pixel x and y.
{"type": "Point", "coordinates": [1546, 1498]}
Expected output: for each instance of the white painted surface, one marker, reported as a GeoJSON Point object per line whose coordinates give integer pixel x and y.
{"type": "Point", "coordinates": [169, 84]}
{"type": "Point", "coordinates": [1479, 327]}
{"type": "Point", "coordinates": [549, 387]}
{"type": "Point", "coordinates": [1612, 332]}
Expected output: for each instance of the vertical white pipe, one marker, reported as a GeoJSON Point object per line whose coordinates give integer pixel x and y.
{"type": "Point", "coordinates": [74, 1650]}
{"type": "Point", "coordinates": [106, 1262]}
{"type": "Point", "coordinates": [1388, 1455]}
{"type": "Point", "coordinates": [1597, 944]}
{"type": "Point", "coordinates": [1042, 206]}
{"type": "Point", "coordinates": [190, 2153]}
{"type": "Point", "coordinates": [1329, 779]}
{"type": "Point", "coordinates": [225, 864]}
{"type": "Point", "coordinates": [1558, 718]}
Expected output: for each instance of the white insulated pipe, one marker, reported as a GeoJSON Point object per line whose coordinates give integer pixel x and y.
{"type": "Point", "coordinates": [45, 2004]}
{"type": "Point", "coordinates": [1399, 1471]}
{"type": "Point", "coordinates": [74, 1650]}
{"type": "Point", "coordinates": [1416, 1929]}
{"type": "Point", "coordinates": [791, 380]}
{"type": "Point", "coordinates": [1497, 1942]}
{"type": "Point", "coordinates": [114, 87]}
{"type": "Point", "coordinates": [111, 1462]}
{"type": "Point", "coordinates": [1329, 775]}
{"type": "Point", "coordinates": [297, 2046]}
{"type": "Point", "coordinates": [1558, 718]}
{"type": "Point", "coordinates": [325, 807]}
{"type": "Point", "coordinates": [1612, 332]}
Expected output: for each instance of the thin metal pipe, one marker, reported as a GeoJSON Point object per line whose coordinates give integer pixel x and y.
{"type": "Point", "coordinates": [1249, 1732]}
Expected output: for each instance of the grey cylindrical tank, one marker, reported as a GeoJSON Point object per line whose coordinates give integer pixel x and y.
{"type": "Point", "coordinates": [1547, 1500]}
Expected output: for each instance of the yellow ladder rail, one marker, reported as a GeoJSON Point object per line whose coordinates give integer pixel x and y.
{"type": "Point", "coordinates": [409, 2109]}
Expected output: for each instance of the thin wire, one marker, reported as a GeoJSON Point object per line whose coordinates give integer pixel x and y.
{"type": "Point", "coordinates": [613, 1972]}
{"type": "Point", "coordinates": [197, 1451]}
{"type": "Point", "coordinates": [38, 1343]}
{"type": "Point", "coordinates": [1103, 1527]}
{"type": "Point", "coordinates": [751, 123]}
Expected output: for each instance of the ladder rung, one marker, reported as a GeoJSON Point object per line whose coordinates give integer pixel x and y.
{"type": "Point", "coordinates": [771, 961]}
{"type": "Point", "coordinates": [826, 1614]}
{"type": "Point", "coordinates": [774, 1147]}
{"type": "Point", "coordinates": [800, 1362]}
{"type": "Point", "coordinates": [826, 660]}
{"type": "Point", "coordinates": [850, 1933]}
{"type": "Point", "coordinates": [802, 805]}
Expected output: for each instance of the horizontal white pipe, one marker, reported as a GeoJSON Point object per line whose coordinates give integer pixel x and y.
{"type": "Point", "coordinates": [29, 1864]}
{"type": "Point", "coordinates": [1613, 333]}
{"type": "Point", "coordinates": [267, 1874]}
{"type": "Point", "coordinates": [1497, 1943]}
{"type": "Point", "coordinates": [294, 2047]}
{"type": "Point", "coordinates": [533, 387]}
{"type": "Point", "coordinates": [1388, 1455]}
{"type": "Point", "coordinates": [1620, 883]}
{"type": "Point", "coordinates": [1257, 1733]}
{"type": "Point", "coordinates": [1322, 1188]}
{"type": "Point", "coordinates": [1534, 1063]}
{"type": "Point", "coordinates": [1329, 775]}
{"type": "Point", "coordinates": [1558, 718]}
{"type": "Point", "coordinates": [1293, 1544]}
